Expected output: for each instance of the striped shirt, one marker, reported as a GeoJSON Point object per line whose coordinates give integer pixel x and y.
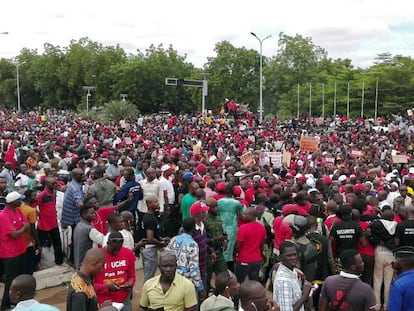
{"type": "Point", "coordinates": [73, 196]}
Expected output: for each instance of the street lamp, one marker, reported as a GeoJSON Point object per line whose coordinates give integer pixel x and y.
{"type": "Point", "coordinates": [17, 64]}
{"type": "Point", "coordinates": [18, 87]}
{"type": "Point", "coordinates": [261, 74]}
{"type": "Point", "coordinates": [124, 96]}
{"type": "Point", "coordinates": [4, 33]}
{"type": "Point", "coordinates": [88, 89]}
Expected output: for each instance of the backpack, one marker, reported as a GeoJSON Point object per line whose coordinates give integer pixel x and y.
{"type": "Point", "coordinates": [308, 255]}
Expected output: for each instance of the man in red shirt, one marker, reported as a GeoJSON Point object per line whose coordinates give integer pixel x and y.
{"type": "Point", "coordinates": [249, 247]}
{"type": "Point", "coordinates": [47, 226]}
{"type": "Point", "coordinates": [13, 246]}
{"type": "Point", "coordinates": [117, 278]}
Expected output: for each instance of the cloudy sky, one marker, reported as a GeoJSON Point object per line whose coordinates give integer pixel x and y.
{"type": "Point", "coordinates": [354, 29]}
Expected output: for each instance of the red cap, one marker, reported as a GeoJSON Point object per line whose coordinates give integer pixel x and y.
{"type": "Point", "coordinates": [197, 208]}
{"type": "Point", "coordinates": [201, 167]}
{"type": "Point", "coordinates": [237, 191]}
{"type": "Point", "coordinates": [293, 209]}
{"type": "Point", "coordinates": [263, 184]}
{"type": "Point", "coordinates": [216, 163]}
{"type": "Point", "coordinates": [105, 154]}
{"type": "Point", "coordinates": [221, 186]}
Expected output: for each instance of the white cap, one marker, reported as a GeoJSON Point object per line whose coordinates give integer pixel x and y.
{"type": "Point", "coordinates": [342, 178]}
{"type": "Point", "coordinates": [14, 196]}
{"type": "Point", "coordinates": [165, 168]}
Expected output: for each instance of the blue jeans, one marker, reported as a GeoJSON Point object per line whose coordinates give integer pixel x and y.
{"type": "Point", "coordinates": [149, 262]}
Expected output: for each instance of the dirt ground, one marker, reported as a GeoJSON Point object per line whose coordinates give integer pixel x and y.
{"type": "Point", "coordinates": [56, 296]}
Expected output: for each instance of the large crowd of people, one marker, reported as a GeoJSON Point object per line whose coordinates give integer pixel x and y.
{"type": "Point", "coordinates": [211, 201]}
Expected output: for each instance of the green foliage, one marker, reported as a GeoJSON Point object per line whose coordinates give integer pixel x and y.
{"type": "Point", "coordinates": [55, 79]}
{"type": "Point", "coordinates": [119, 109]}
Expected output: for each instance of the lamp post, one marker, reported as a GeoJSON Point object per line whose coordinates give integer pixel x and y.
{"type": "Point", "coordinates": [124, 96]}
{"type": "Point", "coordinates": [88, 89]}
{"type": "Point", "coordinates": [4, 33]}
{"type": "Point", "coordinates": [261, 74]}
{"type": "Point", "coordinates": [18, 87]}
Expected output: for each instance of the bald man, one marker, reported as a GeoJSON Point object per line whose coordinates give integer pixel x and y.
{"type": "Point", "coordinates": [81, 294]}
{"type": "Point", "coordinates": [22, 293]}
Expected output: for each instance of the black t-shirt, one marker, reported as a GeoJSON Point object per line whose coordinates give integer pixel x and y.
{"type": "Point", "coordinates": [405, 232]}
{"type": "Point", "coordinates": [150, 222]}
{"type": "Point", "coordinates": [346, 234]}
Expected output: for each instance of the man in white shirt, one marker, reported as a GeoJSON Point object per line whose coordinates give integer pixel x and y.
{"type": "Point", "coordinates": [151, 187]}
{"type": "Point", "coordinates": [290, 290]}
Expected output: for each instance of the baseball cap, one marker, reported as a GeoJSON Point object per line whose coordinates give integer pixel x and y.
{"type": "Point", "coordinates": [198, 207]}
{"type": "Point", "coordinates": [221, 186]}
{"type": "Point", "coordinates": [296, 221]}
{"type": "Point", "coordinates": [313, 190]}
{"type": "Point", "coordinates": [292, 209]}
{"type": "Point", "coordinates": [188, 176]}
{"type": "Point", "coordinates": [404, 252]}
{"type": "Point", "coordinates": [165, 168]}
{"type": "Point", "coordinates": [201, 167]}
{"type": "Point", "coordinates": [14, 196]}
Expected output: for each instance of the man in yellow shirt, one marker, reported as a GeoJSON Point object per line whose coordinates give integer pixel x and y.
{"type": "Point", "coordinates": [30, 237]}
{"type": "Point", "coordinates": [168, 291]}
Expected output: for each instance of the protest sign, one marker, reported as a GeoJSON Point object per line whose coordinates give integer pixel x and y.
{"type": "Point", "coordinates": [399, 158]}
{"type": "Point", "coordinates": [309, 143]}
{"type": "Point", "coordinates": [247, 159]}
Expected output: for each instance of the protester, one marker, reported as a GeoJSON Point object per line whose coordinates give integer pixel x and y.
{"type": "Point", "coordinates": [81, 294]}
{"type": "Point", "coordinates": [13, 246]}
{"type": "Point", "coordinates": [169, 290]}
{"type": "Point", "coordinates": [402, 290]}
{"type": "Point", "coordinates": [344, 291]}
{"type": "Point", "coordinates": [22, 293]}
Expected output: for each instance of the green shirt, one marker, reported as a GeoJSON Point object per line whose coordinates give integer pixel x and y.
{"type": "Point", "coordinates": [186, 203]}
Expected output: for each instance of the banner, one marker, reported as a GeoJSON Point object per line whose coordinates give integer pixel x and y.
{"type": "Point", "coordinates": [356, 153]}
{"type": "Point", "coordinates": [399, 158]}
{"type": "Point", "coordinates": [267, 158]}
{"type": "Point", "coordinates": [309, 144]}
{"type": "Point", "coordinates": [247, 159]}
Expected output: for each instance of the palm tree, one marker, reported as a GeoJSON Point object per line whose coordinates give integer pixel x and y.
{"type": "Point", "coordinates": [119, 109]}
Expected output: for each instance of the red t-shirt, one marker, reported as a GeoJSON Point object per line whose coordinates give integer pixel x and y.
{"type": "Point", "coordinates": [331, 220]}
{"type": "Point", "coordinates": [282, 231]}
{"type": "Point", "coordinates": [368, 249]}
{"type": "Point", "coordinates": [10, 222]}
{"type": "Point", "coordinates": [47, 211]}
{"type": "Point", "coordinates": [118, 270]}
{"type": "Point", "coordinates": [251, 235]}
{"type": "Point", "coordinates": [101, 218]}
{"type": "Point", "coordinates": [249, 195]}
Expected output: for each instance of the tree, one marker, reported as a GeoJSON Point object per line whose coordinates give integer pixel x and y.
{"type": "Point", "coordinates": [234, 74]}
{"type": "Point", "coordinates": [119, 109]}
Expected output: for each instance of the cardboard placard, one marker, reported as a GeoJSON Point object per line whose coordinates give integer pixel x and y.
{"type": "Point", "coordinates": [286, 157]}
{"type": "Point", "coordinates": [399, 158]}
{"type": "Point", "coordinates": [247, 159]}
{"type": "Point", "coordinates": [309, 143]}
